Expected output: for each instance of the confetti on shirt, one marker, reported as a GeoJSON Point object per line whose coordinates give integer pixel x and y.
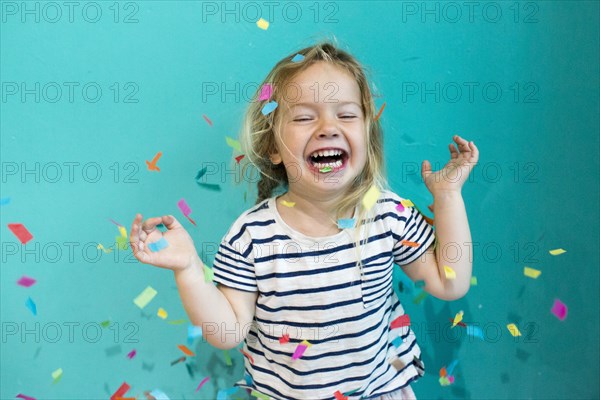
{"type": "Point", "coordinates": [449, 272]}
{"type": "Point", "coordinates": [162, 313]}
{"type": "Point", "coordinates": [31, 305]}
{"type": "Point", "coordinates": [57, 375]}
{"type": "Point", "coordinates": [122, 231]}
{"type": "Point", "coordinates": [407, 203]}
{"type": "Point", "coordinates": [370, 198]}
{"type": "Point", "coordinates": [247, 355]}
{"type": "Point", "coordinates": [269, 108]}
{"type": "Point", "coordinates": [403, 320]}
{"type": "Point", "coordinates": [26, 281]}
{"type": "Point", "coordinates": [298, 58]}
{"type": "Point", "coordinates": [158, 245]}
{"type": "Point", "coordinates": [284, 339]}
{"type": "Point", "coordinates": [145, 297]}
{"type": "Point", "coordinates": [105, 250]}
{"type": "Point", "coordinates": [411, 244]}
{"type": "Point", "coordinates": [531, 272]}
{"type": "Point", "coordinates": [262, 24]}
{"type": "Point", "coordinates": [339, 396]}
{"type": "Point", "coordinates": [420, 297]}
{"type": "Point", "coordinates": [346, 223]}
{"type": "Point", "coordinates": [259, 395]}
{"type": "Point", "coordinates": [512, 328]}
{"type": "Point", "coordinates": [300, 349]}
{"type": "Point", "coordinates": [459, 324]}
{"type": "Point", "coordinates": [181, 359]}
{"type": "Point", "coordinates": [557, 252]}
{"type": "Point", "coordinates": [20, 232]}
{"type": "Point", "coordinates": [265, 92]}
{"type": "Point", "coordinates": [559, 309]}
{"type": "Point", "coordinates": [400, 207]}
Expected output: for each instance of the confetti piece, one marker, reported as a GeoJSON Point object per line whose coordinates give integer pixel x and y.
{"type": "Point", "coordinates": [105, 324]}
{"type": "Point", "coordinates": [556, 252]}
{"type": "Point", "coordinates": [207, 120]}
{"type": "Point", "coordinates": [443, 372]}
{"type": "Point", "coordinates": [400, 207]}
{"type": "Point", "coordinates": [459, 324]}
{"type": "Point", "coordinates": [105, 250]}
{"type": "Point", "coordinates": [177, 321]}
{"type": "Point", "coordinates": [201, 173]}
{"type": "Point", "coordinates": [184, 207]}
{"type": "Point", "coordinates": [210, 186]}
{"type": "Point", "coordinates": [56, 375]}
{"type": "Point", "coordinates": [162, 313]}
{"type": "Point", "coordinates": [234, 144]}
{"type": "Point", "coordinates": [380, 111]}
{"type": "Point", "coordinates": [531, 273]}
{"type": "Point", "coordinates": [20, 232]}
{"type": "Point", "coordinates": [407, 203]}
{"type": "Point", "coordinates": [185, 350]}
{"type": "Point", "coordinates": [411, 244]}
{"type": "Point", "coordinates": [339, 396]}
{"type": "Point", "coordinates": [262, 24]}
{"type": "Point", "coordinates": [370, 198]}
{"type": "Point", "coordinates": [300, 349]}
{"type": "Point", "coordinates": [22, 396]}
{"type": "Point", "coordinates": [145, 297]}
{"type": "Point", "coordinates": [397, 363]}
{"type": "Point", "coordinates": [152, 164]}
{"type": "Point", "coordinates": [475, 331]}
{"type": "Point", "coordinates": [158, 245]}
{"type": "Point", "coordinates": [269, 107]}
{"type": "Point", "coordinates": [158, 395]}
{"type": "Point", "coordinates": [457, 318]}
{"type": "Point", "coordinates": [559, 309]}
{"type": "Point", "coordinates": [397, 342]}
{"type": "Point", "coordinates": [420, 297]}
{"type": "Point", "coordinates": [26, 281]}
{"type": "Point", "coordinates": [512, 328]}
{"type": "Point", "coordinates": [227, 358]}
{"type": "Point", "coordinates": [265, 92]}
{"type": "Point", "coordinates": [403, 320]}
{"type": "Point", "coordinates": [259, 395]}
{"type": "Point", "coordinates": [202, 383]}
{"type": "Point", "coordinates": [346, 223]}
{"type": "Point", "coordinates": [247, 355]}
{"type": "Point", "coordinates": [284, 339]}
{"type": "Point", "coordinates": [177, 361]}
{"type": "Point", "coordinates": [473, 281]}
{"type": "Point", "coordinates": [326, 169]}
{"type": "Point", "coordinates": [121, 242]}
{"type": "Point", "coordinates": [122, 231]}
{"type": "Point", "coordinates": [298, 58]}
{"type": "Point", "coordinates": [239, 158]}
{"type": "Point", "coordinates": [209, 274]}
{"type": "Point", "coordinates": [444, 381]}
{"type": "Point", "coordinates": [449, 272]}
{"type": "Point", "coordinates": [193, 333]}
{"type": "Point", "coordinates": [131, 354]}
{"type": "Point", "coordinates": [31, 305]}
{"type": "Point", "coordinates": [288, 203]}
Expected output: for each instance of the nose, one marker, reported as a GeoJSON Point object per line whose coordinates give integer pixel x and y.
{"type": "Point", "coordinates": [328, 129]}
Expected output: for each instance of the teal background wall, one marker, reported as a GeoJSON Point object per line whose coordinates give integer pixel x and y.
{"type": "Point", "coordinates": [72, 161]}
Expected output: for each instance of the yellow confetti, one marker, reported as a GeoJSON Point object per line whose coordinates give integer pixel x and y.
{"type": "Point", "coordinates": [532, 273]}
{"type": "Point", "coordinates": [56, 375]}
{"type": "Point", "coordinates": [306, 343]}
{"type": "Point", "coordinates": [457, 318]}
{"type": "Point", "coordinates": [123, 231]}
{"type": "Point", "coordinates": [162, 313]}
{"type": "Point", "coordinates": [145, 297]}
{"type": "Point", "coordinates": [556, 252]}
{"type": "Point", "coordinates": [233, 144]}
{"type": "Point", "coordinates": [512, 328]}
{"type": "Point", "coordinates": [288, 203]}
{"type": "Point", "coordinates": [473, 281]}
{"type": "Point", "coordinates": [450, 274]}
{"type": "Point", "coordinates": [407, 203]}
{"type": "Point", "coordinates": [103, 248]}
{"type": "Point", "coordinates": [262, 24]}
{"type": "Point", "coordinates": [371, 197]}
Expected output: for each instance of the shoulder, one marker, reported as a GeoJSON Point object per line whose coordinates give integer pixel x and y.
{"type": "Point", "coordinates": [388, 201]}
{"type": "Point", "coordinates": [259, 216]}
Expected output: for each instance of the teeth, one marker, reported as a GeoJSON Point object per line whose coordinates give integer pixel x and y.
{"type": "Point", "coordinates": [326, 153]}
{"type": "Point", "coordinates": [336, 164]}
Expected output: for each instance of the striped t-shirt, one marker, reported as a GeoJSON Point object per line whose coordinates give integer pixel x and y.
{"type": "Point", "coordinates": [312, 290]}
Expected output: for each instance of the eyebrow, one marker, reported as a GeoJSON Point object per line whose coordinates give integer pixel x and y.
{"type": "Point", "coordinates": [311, 104]}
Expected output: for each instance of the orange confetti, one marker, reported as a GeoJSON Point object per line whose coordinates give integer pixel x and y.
{"type": "Point", "coordinates": [411, 244]}
{"type": "Point", "coordinates": [186, 350]}
{"type": "Point", "coordinates": [380, 111]}
{"type": "Point", "coordinates": [152, 164]}
{"type": "Point", "coordinates": [247, 355]}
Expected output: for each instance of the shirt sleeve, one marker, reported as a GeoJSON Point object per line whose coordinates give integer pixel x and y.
{"type": "Point", "coordinates": [408, 225]}
{"type": "Point", "coordinates": [233, 265]}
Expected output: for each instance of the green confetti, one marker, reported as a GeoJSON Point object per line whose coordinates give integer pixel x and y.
{"type": "Point", "coordinates": [177, 321]}
{"type": "Point", "coordinates": [326, 169]}
{"type": "Point", "coordinates": [233, 144]}
{"type": "Point", "coordinates": [227, 358]}
{"type": "Point", "coordinates": [121, 242]}
{"type": "Point", "coordinates": [420, 297]}
{"type": "Point", "coordinates": [209, 274]}
{"type": "Point", "coordinates": [259, 395]}
{"type": "Point", "coordinates": [105, 324]}
{"type": "Point", "coordinates": [473, 281]}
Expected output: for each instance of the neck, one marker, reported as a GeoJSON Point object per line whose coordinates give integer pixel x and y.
{"type": "Point", "coordinates": [321, 207]}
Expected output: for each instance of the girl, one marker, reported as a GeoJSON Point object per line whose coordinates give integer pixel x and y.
{"type": "Point", "coordinates": [304, 278]}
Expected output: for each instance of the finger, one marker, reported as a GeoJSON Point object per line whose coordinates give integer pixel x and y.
{"type": "Point", "coordinates": [475, 152]}
{"type": "Point", "coordinates": [171, 222]}
{"type": "Point", "coordinates": [150, 224]}
{"type": "Point", "coordinates": [134, 235]}
{"type": "Point", "coordinates": [453, 151]}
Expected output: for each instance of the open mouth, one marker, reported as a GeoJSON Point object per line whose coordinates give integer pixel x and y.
{"type": "Point", "coordinates": [328, 160]}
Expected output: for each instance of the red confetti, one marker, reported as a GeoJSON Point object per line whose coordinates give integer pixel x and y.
{"type": "Point", "coordinates": [460, 323]}
{"type": "Point", "coordinates": [403, 320]}
{"type": "Point", "coordinates": [20, 232]}
{"type": "Point", "coordinates": [340, 396]}
{"type": "Point", "coordinates": [284, 339]}
{"type": "Point", "coordinates": [207, 120]}
{"type": "Point", "coordinates": [238, 158]}
{"type": "Point", "coordinates": [120, 391]}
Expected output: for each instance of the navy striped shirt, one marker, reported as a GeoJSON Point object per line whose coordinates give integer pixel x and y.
{"type": "Point", "coordinates": [312, 289]}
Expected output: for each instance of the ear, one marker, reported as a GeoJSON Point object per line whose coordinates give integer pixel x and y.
{"type": "Point", "coordinates": [275, 158]}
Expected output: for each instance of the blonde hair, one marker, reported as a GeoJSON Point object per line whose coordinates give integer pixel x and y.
{"type": "Point", "coordinates": [257, 136]}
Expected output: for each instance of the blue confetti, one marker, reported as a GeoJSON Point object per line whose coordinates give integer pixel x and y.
{"type": "Point", "coordinates": [476, 331]}
{"type": "Point", "coordinates": [451, 367]}
{"type": "Point", "coordinates": [4, 201]}
{"type": "Point", "coordinates": [193, 332]}
{"type": "Point", "coordinates": [269, 107]}
{"type": "Point", "coordinates": [158, 395]}
{"type": "Point", "coordinates": [157, 246]}
{"type": "Point", "coordinates": [298, 58]}
{"type": "Point", "coordinates": [397, 342]}
{"type": "Point", "coordinates": [31, 305]}
{"type": "Point", "coordinates": [344, 223]}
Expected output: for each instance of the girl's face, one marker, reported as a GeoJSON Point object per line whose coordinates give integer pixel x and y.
{"type": "Point", "coordinates": [322, 128]}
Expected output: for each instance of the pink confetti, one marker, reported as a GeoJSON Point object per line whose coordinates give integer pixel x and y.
{"type": "Point", "coordinates": [131, 354]}
{"type": "Point", "coordinates": [22, 396]}
{"type": "Point", "coordinates": [26, 281]}
{"type": "Point", "coordinates": [265, 92]}
{"type": "Point", "coordinates": [20, 232]}
{"type": "Point", "coordinates": [400, 207]}
{"type": "Point", "coordinates": [299, 351]}
{"type": "Point", "coordinates": [207, 120]}
{"type": "Point", "coordinates": [202, 383]}
{"type": "Point", "coordinates": [559, 309]}
{"type": "Point", "coordinates": [183, 206]}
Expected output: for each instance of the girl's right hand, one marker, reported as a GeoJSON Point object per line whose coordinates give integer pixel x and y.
{"type": "Point", "coordinates": [179, 253]}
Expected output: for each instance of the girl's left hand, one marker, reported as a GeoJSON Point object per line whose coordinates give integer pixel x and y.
{"type": "Point", "coordinates": [452, 177]}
